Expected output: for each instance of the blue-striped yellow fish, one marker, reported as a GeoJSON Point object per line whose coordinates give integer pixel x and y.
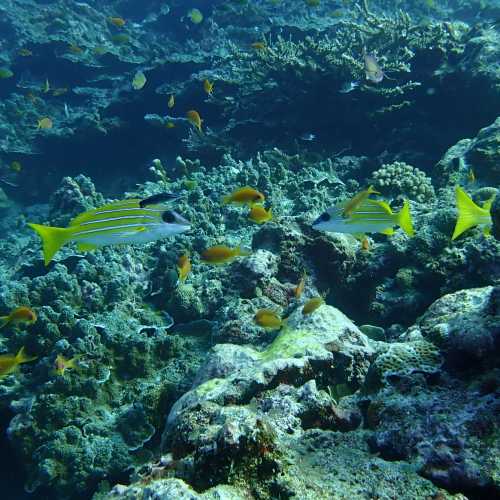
{"type": "Point", "coordinates": [369, 216]}
{"type": "Point", "coordinates": [121, 222]}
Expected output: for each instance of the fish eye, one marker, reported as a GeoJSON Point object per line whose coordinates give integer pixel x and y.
{"type": "Point", "coordinates": [324, 217]}
{"type": "Point", "coordinates": [168, 217]}
{"type": "Point", "coordinates": [257, 197]}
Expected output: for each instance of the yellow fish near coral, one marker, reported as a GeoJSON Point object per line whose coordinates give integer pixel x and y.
{"type": "Point", "coordinates": [221, 254]}
{"type": "Point", "coordinates": [183, 266]}
{"type": "Point", "coordinates": [17, 316]}
{"type": "Point", "coordinates": [119, 22]}
{"type": "Point", "coordinates": [10, 362]}
{"type": "Point", "coordinates": [195, 119]}
{"type": "Point", "coordinates": [260, 215]}
{"type": "Point", "coordinates": [195, 16]}
{"type": "Point", "coordinates": [62, 364]}
{"type": "Point", "coordinates": [119, 223]}
{"type": "Point", "coordinates": [208, 87]}
{"type": "Point", "coordinates": [268, 319]}
{"type": "Point", "coordinates": [171, 101]}
{"type": "Point", "coordinates": [45, 123]}
{"type": "Point", "coordinates": [245, 195]}
{"type": "Point", "coordinates": [139, 80]}
{"type": "Point", "coordinates": [470, 214]}
{"type": "Point", "coordinates": [312, 304]}
{"type": "Point", "coordinates": [370, 216]}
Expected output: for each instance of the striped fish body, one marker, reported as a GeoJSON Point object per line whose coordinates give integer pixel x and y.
{"type": "Point", "coordinates": [370, 216]}
{"type": "Point", "coordinates": [121, 222]}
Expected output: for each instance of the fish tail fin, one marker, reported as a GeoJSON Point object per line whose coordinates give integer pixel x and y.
{"type": "Point", "coordinates": [372, 190]}
{"type": "Point", "coordinates": [404, 219]}
{"type": "Point", "coordinates": [243, 252]}
{"type": "Point", "coordinates": [53, 238]}
{"type": "Point", "coordinates": [4, 321]}
{"type": "Point", "coordinates": [469, 214]}
{"type": "Point", "coordinates": [22, 357]}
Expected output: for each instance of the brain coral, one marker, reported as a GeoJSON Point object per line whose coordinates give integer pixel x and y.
{"type": "Point", "coordinates": [400, 179]}
{"type": "Point", "coordinates": [402, 359]}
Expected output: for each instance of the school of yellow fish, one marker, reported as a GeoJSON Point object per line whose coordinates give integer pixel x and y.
{"type": "Point", "coordinates": [358, 216]}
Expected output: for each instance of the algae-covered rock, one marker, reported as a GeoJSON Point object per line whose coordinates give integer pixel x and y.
{"type": "Point", "coordinates": [466, 327]}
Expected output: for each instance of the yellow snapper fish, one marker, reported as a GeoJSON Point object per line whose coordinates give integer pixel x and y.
{"type": "Point", "coordinates": [120, 222]}
{"type": "Point", "coordinates": [9, 363]}
{"type": "Point", "coordinates": [369, 216]}
{"type": "Point", "coordinates": [470, 214]}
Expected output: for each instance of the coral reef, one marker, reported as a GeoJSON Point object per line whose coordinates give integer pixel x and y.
{"type": "Point", "coordinates": [401, 179]}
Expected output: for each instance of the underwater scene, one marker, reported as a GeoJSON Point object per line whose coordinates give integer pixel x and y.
{"type": "Point", "coordinates": [250, 249]}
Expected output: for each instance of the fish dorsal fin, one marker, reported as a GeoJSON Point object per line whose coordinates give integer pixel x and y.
{"type": "Point", "coordinates": [373, 206]}
{"type": "Point", "coordinates": [383, 204]}
{"type": "Point", "coordinates": [115, 205]}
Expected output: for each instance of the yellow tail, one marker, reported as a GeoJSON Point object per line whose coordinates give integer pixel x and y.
{"type": "Point", "coordinates": [53, 238]}
{"type": "Point", "coordinates": [403, 219]}
{"type": "Point", "coordinates": [469, 214]}
{"type": "Point", "coordinates": [22, 357]}
{"type": "Point", "coordinates": [242, 252]}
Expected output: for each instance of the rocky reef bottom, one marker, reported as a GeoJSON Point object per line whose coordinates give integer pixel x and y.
{"type": "Point", "coordinates": [326, 412]}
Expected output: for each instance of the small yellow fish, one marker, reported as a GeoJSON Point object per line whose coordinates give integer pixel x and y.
{"type": "Point", "coordinates": [245, 195]}
{"type": "Point", "coordinates": [373, 71]}
{"type": "Point", "coordinates": [10, 362]}
{"type": "Point", "coordinates": [45, 123]}
{"type": "Point", "coordinates": [171, 101]}
{"type": "Point", "coordinates": [268, 319]}
{"type": "Point", "coordinates": [354, 202]}
{"type": "Point", "coordinates": [365, 244]}
{"type": "Point", "coordinates": [299, 289]}
{"type": "Point", "coordinates": [259, 45]}
{"type": "Point", "coordinates": [6, 73]}
{"type": "Point", "coordinates": [183, 266]}
{"type": "Point", "coordinates": [470, 214]}
{"type": "Point", "coordinates": [74, 49]}
{"type": "Point", "coordinates": [119, 22]}
{"type": "Point", "coordinates": [471, 177]}
{"type": "Point", "coordinates": [170, 125]}
{"type": "Point", "coordinates": [120, 38]}
{"type": "Point", "coordinates": [312, 304]}
{"type": "Point", "coordinates": [62, 364]}
{"type": "Point", "coordinates": [139, 80]}
{"type": "Point", "coordinates": [195, 119]}
{"type": "Point", "coordinates": [16, 166]}
{"type": "Point", "coordinates": [195, 15]}
{"type": "Point", "coordinates": [208, 87]}
{"type": "Point", "coordinates": [46, 86]}
{"type": "Point", "coordinates": [25, 52]}
{"type": "Point", "coordinates": [260, 215]}
{"type": "Point", "coordinates": [17, 316]}
{"type": "Point", "coordinates": [100, 50]}
{"type": "Point", "coordinates": [59, 91]}
{"type": "Point", "coordinates": [221, 254]}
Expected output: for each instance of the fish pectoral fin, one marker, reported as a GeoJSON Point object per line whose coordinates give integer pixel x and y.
{"type": "Point", "coordinates": [389, 231]}
{"type": "Point", "coordinates": [86, 247]}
